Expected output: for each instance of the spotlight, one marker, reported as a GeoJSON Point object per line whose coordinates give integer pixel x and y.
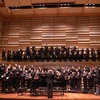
{"type": "Point", "coordinates": [61, 4]}
{"type": "Point", "coordinates": [64, 4]}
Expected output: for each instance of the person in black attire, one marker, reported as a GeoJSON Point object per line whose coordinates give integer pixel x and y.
{"type": "Point", "coordinates": [67, 52]}
{"type": "Point", "coordinates": [98, 53]}
{"type": "Point", "coordinates": [94, 75]}
{"type": "Point", "coordinates": [87, 54]}
{"type": "Point", "coordinates": [51, 52]}
{"type": "Point", "coordinates": [74, 48]}
{"type": "Point", "coordinates": [34, 84]}
{"type": "Point", "coordinates": [76, 55]}
{"type": "Point", "coordinates": [78, 80]}
{"type": "Point", "coordinates": [4, 83]}
{"type": "Point", "coordinates": [9, 55]}
{"type": "Point", "coordinates": [16, 80]}
{"type": "Point", "coordinates": [14, 55]}
{"type": "Point", "coordinates": [72, 54]}
{"type": "Point", "coordinates": [98, 83]}
{"type": "Point", "coordinates": [82, 53]}
{"type": "Point", "coordinates": [2, 69]}
{"type": "Point", "coordinates": [27, 52]}
{"type": "Point", "coordinates": [3, 54]}
{"type": "Point", "coordinates": [90, 81]}
{"type": "Point", "coordinates": [24, 55]}
{"type": "Point", "coordinates": [10, 82]}
{"type": "Point", "coordinates": [19, 55]}
{"type": "Point", "coordinates": [85, 80]}
{"type": "Point", "coordinates": [37, 55]}
{"type": "Point", "coordinates": [93, 54]}
{"type": "Point", "coordinates": [50, 78]}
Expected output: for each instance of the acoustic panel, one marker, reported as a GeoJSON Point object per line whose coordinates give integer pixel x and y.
{"type": "Point", "coordinates": [84, 32]}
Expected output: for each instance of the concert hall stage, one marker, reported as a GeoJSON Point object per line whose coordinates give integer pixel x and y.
{"type": "Point", "coordinates": [66, 96]}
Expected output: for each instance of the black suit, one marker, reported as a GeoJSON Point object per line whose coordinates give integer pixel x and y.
{"type": "Point", "coordinates": [50, 84]}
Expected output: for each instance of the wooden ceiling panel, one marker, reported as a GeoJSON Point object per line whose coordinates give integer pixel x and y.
{"type": "Point", "coordinates": [70, 10]}
{"type": "Point", "coordinates": [1, 2]}
{"type": "Point", "coordinates": [11, 3]}
{"type": "Point", "coordinates": [46, 11]}
{"type": "Point", "coordinates": [51, 10]}
{"type": "Point", "coordinates": [67, 0]}
{"type": "Point", "coordinates": [93, 2]}
{"type": "Point", "coordinates": [40, 11]}
{"type": "Point", "coordinates": [81, 1]}
{"type": "Point", "coordinates": [25, 2]}
{"type": "Point", "coordinates": [50, 1]}
{"type": "Point", "coordinates": [39, 1]}
{"type": "Point", "coordinates": [17, 12]}
{"type": "Point", "coordinates": [92, 10]}
{"type": "Point", "coordinates": [27, 11]}
{"type": "Point", "coordinates": [4, 11]}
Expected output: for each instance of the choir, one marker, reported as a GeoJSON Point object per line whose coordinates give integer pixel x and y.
{"type": "Point", "coordinates": [51, 53]}
{"type": "Point", "coordinates": [79, 79]}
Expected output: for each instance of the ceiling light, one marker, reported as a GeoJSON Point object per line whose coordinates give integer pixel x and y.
{"type": "Point", "coordinates": [68, 4]}
{"type": "Point", "coordinates": [61, 4]}
{"type": "Point", "coordinates": [93, 4]}
{"type": "Point", "coordinates": [89, 4]}
{"type": "Point", "coordinates": [43, 5]}
{"type": "Point", "coordinates": [36, 5]}
{"type": "Point", "coordinates": [64, 4]}
{"type": "Point", "coordinates": [39, 5]}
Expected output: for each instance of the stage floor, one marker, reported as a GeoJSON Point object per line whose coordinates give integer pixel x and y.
{"type": "Point", "coordinates": [66, 96]}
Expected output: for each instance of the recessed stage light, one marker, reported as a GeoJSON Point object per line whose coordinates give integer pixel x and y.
{"type": "Point", "coordinates": [64, 4]}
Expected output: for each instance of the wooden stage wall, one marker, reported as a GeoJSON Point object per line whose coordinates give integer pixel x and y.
{"type": "Point", "coordinates": [1, 22]}
{"type": "Point", "coordinates": [55, 64]}
{"type": "Point", "coordinates": [38, 31]}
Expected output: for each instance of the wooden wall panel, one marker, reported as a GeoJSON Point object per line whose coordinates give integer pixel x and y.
{"type": "Point", "coordinates": [0, 28]}
{"type": "Point", "coordinates": [1, 20]}
{"type": "Point", "coordinates": [83, 32]}
{"type": "Point", "coordinates": [39, 31]}
{"type": "Point", "coordinates": [71, 31]}
{"type": "Point", "coordinates": [94, 29]}
{"type": "Point", "coordinates": [56, 64]}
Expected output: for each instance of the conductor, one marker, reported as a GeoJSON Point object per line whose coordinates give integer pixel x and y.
{"type": "Point", "coordinates": [50, 77]}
